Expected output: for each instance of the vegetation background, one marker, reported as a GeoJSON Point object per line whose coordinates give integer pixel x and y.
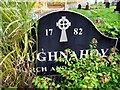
{"type": "Point", "coordinates": [16, 25]}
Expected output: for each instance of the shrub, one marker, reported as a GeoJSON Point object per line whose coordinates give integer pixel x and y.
{"type": "Point", "coordinates": [44, 83]}
{"type": "Point", "coordinates": [91, 71]}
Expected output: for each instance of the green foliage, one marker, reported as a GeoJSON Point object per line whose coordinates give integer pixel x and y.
{"type": "Point", "coordinates": [44, 83]}
{"type": "Point", "coordinates": [16, 44]}
{"type": "Point", "coordinates": [98, 6]}
{"type": "Point", "coordinates": [92, 71]}
{"type": "Point", "coordinates": [105, 19]}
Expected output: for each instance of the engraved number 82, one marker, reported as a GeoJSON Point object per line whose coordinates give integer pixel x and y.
{"type": "Point", "coordinates": [78, 31]}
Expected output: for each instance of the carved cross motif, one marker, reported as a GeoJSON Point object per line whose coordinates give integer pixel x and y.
{"type": "Point", "coordinates": [63, 24]}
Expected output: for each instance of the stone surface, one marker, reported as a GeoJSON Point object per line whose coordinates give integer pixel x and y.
{"type": "Point", "coordinates": [117, 7]}
{"type": "Point", "coordinates": [79, 35]}
{"type": "Point", "coordinates": [79, 6]}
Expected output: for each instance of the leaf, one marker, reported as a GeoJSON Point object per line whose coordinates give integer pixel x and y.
{"type": "Point", "coordinates": [100, 74]}
{"type": "Point", "coordinates": [84, 86]}
{"type": "Point", "coordinates": [6, 57]}
{"type": "Point", "coordinates": [69, 64]}
{"type": "Point", "coordinates": [46, 87]}
{"type": "Point", "coordinates": [36, 83]}
{"type": "Point", "coordinates": [108, 25]}
{"type": "Point", "coordinates": [115, 80]}
{"type": "Point", "coordinates": [12, 24]}
{"type": "Point", "coordinates": [86, 78]}
{"type": "Point", "coordinates": [53, 84]}
{"type": "Point", "coordinates": [113, 75]}
{"type": "Point", "coordinates": [58, 86]}
{"type": "Point", "coordinates": [39, 86]}
{"type": "Point", "coordinates": [15, 30]}
{"type": "Point", "coordinates": [33, 81]}
{"type": "Point", "coordinates": [113, 33]}
{"type": "Point", "coordinates": [94, 12]}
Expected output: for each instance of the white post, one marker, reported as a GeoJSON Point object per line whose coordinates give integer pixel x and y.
{"type": "Point", "coordinates": [66, 8]}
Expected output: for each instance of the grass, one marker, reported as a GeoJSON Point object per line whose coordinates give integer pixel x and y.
{"type": "Point", "coordinates": [16, 44]}
{"type": "Point", "coordinates": [104, 18]}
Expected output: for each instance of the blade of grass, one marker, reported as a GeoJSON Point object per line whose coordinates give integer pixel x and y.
{"type": "Point", "coordinates": [6, 57]}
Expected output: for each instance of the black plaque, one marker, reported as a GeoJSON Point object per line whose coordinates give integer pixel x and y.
{"type": "Point", "coordinates": [60, 30]}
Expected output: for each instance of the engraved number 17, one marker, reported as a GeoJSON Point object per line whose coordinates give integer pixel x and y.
{"type": "Point", "coordinates": [49, 32]}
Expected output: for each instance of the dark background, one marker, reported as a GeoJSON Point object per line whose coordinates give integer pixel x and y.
{"type": "Point", "coordinates": [76, 43]}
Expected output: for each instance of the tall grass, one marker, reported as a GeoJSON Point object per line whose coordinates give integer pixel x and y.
{"type": "Point", "coordinates": [16, 44]}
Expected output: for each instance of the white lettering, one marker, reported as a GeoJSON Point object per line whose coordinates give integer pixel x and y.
{"type": "Point", "coordinates": [54, 56]}
{"type": "Point", "coordinates": [82, 53]}
{"type": "Point", "coordinates": [44, 69]}
{"type": "Point", "coordinates": [38, 69]}
{"type": "Point", "coordinates": [52, 69]}
{"type": "Point", "coordinates": [41, 56]}
{"type": "Point", "coordinates": [104, 52]}
{"type": "Point", "coordinates": [65, 55]}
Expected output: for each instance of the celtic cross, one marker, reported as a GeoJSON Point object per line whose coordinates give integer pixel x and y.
{"type": "Point", "coordinates": [63, 24]}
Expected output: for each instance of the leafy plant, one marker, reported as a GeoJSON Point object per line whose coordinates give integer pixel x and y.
{"type": "Point", "coordinates": [17, 58]}
{"type": "Point", "coordinates": [44, 83]}
{"type": "Point", "coordinates": [92, 71]}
